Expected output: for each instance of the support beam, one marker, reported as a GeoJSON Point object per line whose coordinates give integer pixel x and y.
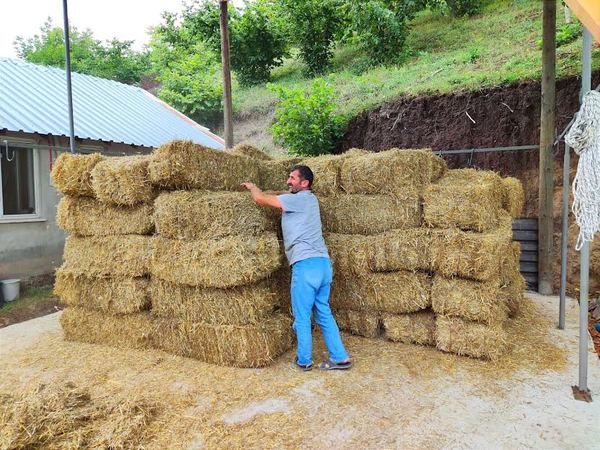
{"type": "Point", "coordinates": [584, 268]}
{"type": "Point", "coordinates": [227, 103]}
{"type": "Point", "coordinates": [547, 134]}
{"type": "Point", "coordinates": [68, 72]}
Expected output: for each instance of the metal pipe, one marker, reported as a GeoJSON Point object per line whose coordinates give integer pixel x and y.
{"type": "Point", "coordinates": [564, 238]}
{"type": "Point", "coordinates": [68, 71]}
{"type": "Point", "coordinates": [516, 148]}
{"type": "Point", "coordinates": [586, 83]}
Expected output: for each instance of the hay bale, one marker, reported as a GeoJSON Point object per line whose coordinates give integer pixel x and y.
{"type": "Point", "coordinates": [467, 338]}
{"type": "Point", "coordinates": [250, 152]}
{"type": "Point", "coordinates": [392, 292]}
{"type": "Point", "coordinates": [226, 345]}
{"type": "Point", "coordinates": [390, 172]}
{"type": "Point", "coordinates": [466, 254]}
{"type": "Point", "coordinates": [370, 214]}
{"type": "Point", "coordinates": [326, 169]}
{"type": "Point", "coordinates": [513, 199]}
{"type": "Point", "coordinates": [72, 174]}
{"type": "Point", "coordinates": [274, 174]}
{"type": "Point", "coordinates": [185, 165]}
{"type": "Point", "coordinates": [60, 415]}
{"type": "Point", "coordinates": [85, 216]}
{"type": "Point", "coordinates": [113, 295]}
{"type": "Point", "coordinates": [407, 249]}
{"type": "Point", "coordinates": [472, 300]}
{"type": "Point", "coordinates": [222, 263]}
{"type": "Point", "coordinates": [98, 327]}
{"type": "Point", "coordinates": [348, 254]}
{"type": "Point", "coordinates": [123, 180]}
{"type": "Point", "coordinates": [514, 284]}
{"type": "Point", "coordinates": [361, 323]}
{"type": "Point", "coordinates": [108, 256]}
{"type": "Point", "coordinates": [210, 215]}
{"type": "Point", "coordinates": [465, 198]}
{"type": "Point", "coordinates": [413, 328]}
{"type": "Point", "coordinates": [240, 305]}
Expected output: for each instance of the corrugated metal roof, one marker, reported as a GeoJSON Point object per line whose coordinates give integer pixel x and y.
{"type": "Point", "coordinates": [33, 99]}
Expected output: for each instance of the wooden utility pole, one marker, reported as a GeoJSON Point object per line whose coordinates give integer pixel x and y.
{"type": "Point", "coordinates": [547, 135]}
{"type": "Point", "coordinates": [227, 104]}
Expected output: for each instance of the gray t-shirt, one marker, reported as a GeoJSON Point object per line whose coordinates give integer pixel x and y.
{"type": "Point", "coordinates": [301, 226]}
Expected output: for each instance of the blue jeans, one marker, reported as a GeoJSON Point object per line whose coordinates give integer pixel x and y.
{"type": "Point", "coordinates": [311, 284]}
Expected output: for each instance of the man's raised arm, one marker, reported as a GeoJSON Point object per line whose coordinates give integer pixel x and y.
{"type": "Point", "coordinates": [262, 198]}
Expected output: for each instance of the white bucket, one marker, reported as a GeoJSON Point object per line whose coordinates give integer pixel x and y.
{"type": "Point", "coordinates": [10, 289]}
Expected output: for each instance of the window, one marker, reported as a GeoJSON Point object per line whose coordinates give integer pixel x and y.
{"type": "Point", "coordinates": [19, 193]}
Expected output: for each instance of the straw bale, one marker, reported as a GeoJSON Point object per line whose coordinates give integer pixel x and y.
{"type": "Point", "coordinates": [465, 198]}
{"type": "Point", "coordinates": [220, 263]}
{"type": "Point", "coordinates": [413, 328]}
{"type": "Point", "coordinates": [117, 295]}
{"type": "Point", "coordinates": [185, 165]}
{"type": "Point", "coordinates": [407, 249]}
{"type": "Point", "coordinates": [393, 171]}
{"type": "Point", "coordinates": [472, 300]}
{"type": "Point", "coordinates": [348, 254]}
{"type": "Point", "coordinates": [210, 215]}
{"type": "Point", "coordinates": [361, 323]}
{"type": "Point", "coordinates": [513, 199]}
{"type": "Point", "coordinates": [254, 345]}
{"type": "Point", "coordinates": [274, 174]}
{"type": "Point", "coordinates": [326, 170]}
{"type": "Point", "coordinates": [72, 174]}
{"type": "Point", "coordinates": [61, 415]}
{"type": "Point", "coordinates": [84, 216]}
{"type": "Point", "coordinates": [393, 292]}
{"type": "Point", "coordinates": [235, 306]}
{"type": "Point", "coordinates": [106, 256]}
{"type": "Point", "coordinates": [466, 254]}
{"type": "Point", "coordinates": [123, 180]}
{"type": "Point", "coordinates": [249, 151]}
{"type": "Point", "coordinates": [514, 284]}
{"type": "Point", "coordinates": [370, 214]}
{"type": "Point", "coordinates": [97, 327]}
{"type": "Point", "coordinates": [468, 338]}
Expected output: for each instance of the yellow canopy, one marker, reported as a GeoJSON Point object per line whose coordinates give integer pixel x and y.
{"type": "Point", "coordinates": [588, 11]}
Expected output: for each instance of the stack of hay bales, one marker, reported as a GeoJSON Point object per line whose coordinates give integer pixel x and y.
{"type": "Point", "coordinates": [372, 215]}
{"type": "Point", "coordinates": [206, 285]}
{"type": "Point", "coordinates": [103, 282]}
{"type": "Point", "coordinates": [421, 255]}
{"type": "Point", "coordinates": [476, 283]}
{"type": "Point", "coordinates": [216, 261]}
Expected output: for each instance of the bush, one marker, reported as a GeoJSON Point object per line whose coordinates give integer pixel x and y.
{"type": "Point", "coordinates": [459, 8]}
{"type": "Point", "coordinates": [306, 123]}
{"type": "Point", "coordinates": [258, 44]}
{"type": "Point", "coordinates": [312, 25]}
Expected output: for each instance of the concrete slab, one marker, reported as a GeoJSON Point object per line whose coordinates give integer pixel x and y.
{"type": "Point", "coordinates": [396, 396]}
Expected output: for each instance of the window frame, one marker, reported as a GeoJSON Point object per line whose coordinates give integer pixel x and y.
{"type": "Point", "coordinates": [37, 215]}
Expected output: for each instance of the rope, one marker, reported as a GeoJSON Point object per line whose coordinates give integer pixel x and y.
{"type": "Point", "coordinates": [584, 138]}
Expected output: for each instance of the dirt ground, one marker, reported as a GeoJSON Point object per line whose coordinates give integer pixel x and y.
{"type": "Point", "coordinates": [396, 396]}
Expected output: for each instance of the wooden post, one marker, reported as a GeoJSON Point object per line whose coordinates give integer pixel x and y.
{"type": "Point", "coordinates": [547, 135]}
{"type": "Point", "coordinates": [227, 104]}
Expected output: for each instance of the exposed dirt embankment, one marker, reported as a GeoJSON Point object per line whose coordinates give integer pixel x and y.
{"type": "Point", "coordinates": [493, 117]}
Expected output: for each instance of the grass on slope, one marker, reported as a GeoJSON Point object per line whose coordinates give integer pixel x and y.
{"type": "Point", "coordinates": [443, 54]}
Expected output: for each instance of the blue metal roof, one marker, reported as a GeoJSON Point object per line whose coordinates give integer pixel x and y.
{"type": "Point", "coordinates": [33, 99]}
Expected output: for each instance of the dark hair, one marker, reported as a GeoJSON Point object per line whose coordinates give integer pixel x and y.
{"type": "Point", "coordinates": [305, 173]}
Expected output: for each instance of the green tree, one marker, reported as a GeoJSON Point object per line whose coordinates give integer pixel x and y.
{"type": "Point", "coordinates": [379, 28]}
{"type": "Point", "coordinates": [188, 70]}
{"type": "Point", "coordinates": [115, 59]}
{"type": "Point", "coordinates": [313, 26]}
{"type": "Point", "coordinates": [258, 43]}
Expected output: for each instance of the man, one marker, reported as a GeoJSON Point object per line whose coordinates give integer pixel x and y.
{"type": "Point", "coordinates": [312, 272]}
